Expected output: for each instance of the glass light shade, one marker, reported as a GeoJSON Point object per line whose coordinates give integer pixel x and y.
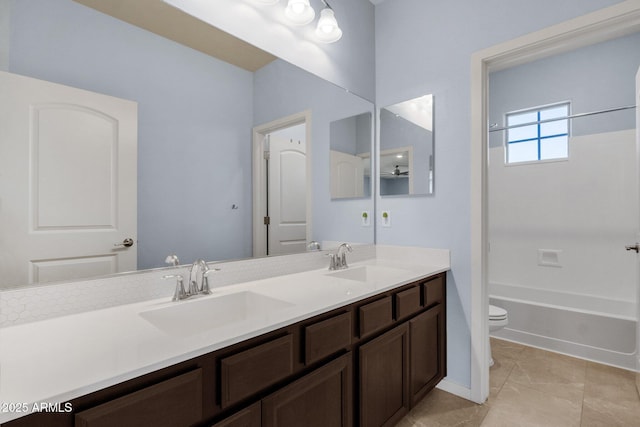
{"type": "Point", "coordinates": [299, 12]}
{"type": "Point", "coordinates": [327, 30]}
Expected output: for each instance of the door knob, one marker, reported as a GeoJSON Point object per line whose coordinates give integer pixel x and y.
{"type": "Point", "coordinates": [635, 247]}
{"type": "Point", "coordinates": [126, 243]}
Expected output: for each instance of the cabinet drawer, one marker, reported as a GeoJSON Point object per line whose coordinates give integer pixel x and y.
{"type": "Point", "coordinates": [174, 402]}
{"type": "Point", "coordinates": [252, 370]}
{"type": "Point", "coordinates": [326, 337]}
{"type": "Point", "coordinates": [433, 291]}
{"type": "Point", "coordinates": [407, 302]}
{"type": "Point", "coordinates": [375, 316]}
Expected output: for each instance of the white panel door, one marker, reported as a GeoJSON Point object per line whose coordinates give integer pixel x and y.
{"type": "Point", "coordinates": [68, 183]}
{"type": "Point", "coordinates": [347, 175]}
{"type": "Point", "coordinates": [287, 196]}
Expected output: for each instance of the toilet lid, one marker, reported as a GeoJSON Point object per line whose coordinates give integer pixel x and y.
{"type": "Point", "coordinates": [497, 313]}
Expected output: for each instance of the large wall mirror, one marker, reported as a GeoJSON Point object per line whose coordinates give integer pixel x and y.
{"type": "Point", "coordinates": [406, 155]}
{"type": "Point", "coordinates": [196, 116]}
{"type": "Point", "coordinates": [350, 158]}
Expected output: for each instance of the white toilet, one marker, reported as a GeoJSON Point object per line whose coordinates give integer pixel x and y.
{"type": "Point", "coordinates": [498, 319]}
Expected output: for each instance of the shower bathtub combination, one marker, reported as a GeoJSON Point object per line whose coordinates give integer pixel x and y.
{"type": "Point", "coordinates": [584, 326]}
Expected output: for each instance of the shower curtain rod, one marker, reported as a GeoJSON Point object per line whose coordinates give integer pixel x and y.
{"type": "Point", "coordinates": [573, 116]}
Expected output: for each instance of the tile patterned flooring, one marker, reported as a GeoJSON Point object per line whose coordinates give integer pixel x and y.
{"type": "Point", "coordinates": [532, 387]}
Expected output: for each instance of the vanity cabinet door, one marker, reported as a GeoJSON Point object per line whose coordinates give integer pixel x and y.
{"type": "Point", "coordinates": [384, 378]}
{"type": "Point", "coordinates": [426, 333]}
{"type": "Point", "coordinates": [322, 398]}
{"type": "Point", "coordinates": [248, 417]}
{"type": "Point", "coordinates": [171, 403]}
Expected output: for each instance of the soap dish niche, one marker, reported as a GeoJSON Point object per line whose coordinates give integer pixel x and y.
{"type": "Point", "coordinates": [549, 257]}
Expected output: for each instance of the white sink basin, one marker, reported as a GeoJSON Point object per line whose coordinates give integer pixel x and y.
{"type": "Point", "coordinates": [185, 318]}
{"type": "Point", "coordinates": [367, 273]}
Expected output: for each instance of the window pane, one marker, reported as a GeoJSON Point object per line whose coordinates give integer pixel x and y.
{"type": "Point", "coordinates": [554, 128]}
{"type": "Point", "coordinates": [554, 148]}
{"type": "Point", "coordinates": [519, 118]}
{"type": "Point", "coordinates": [525, 132]}
{"type": "Point", "coordinates": [522, 152]}
{"type": "Point", "coordinates": [553, 112]}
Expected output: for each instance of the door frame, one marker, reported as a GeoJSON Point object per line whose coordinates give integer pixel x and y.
{"type": "Point", "coordinates": [604, 24]}
{"type": "Point", "coordinates": [259, 176]}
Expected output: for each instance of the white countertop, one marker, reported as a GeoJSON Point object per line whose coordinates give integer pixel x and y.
{"type": "Point", "coordinates": [63, 358]}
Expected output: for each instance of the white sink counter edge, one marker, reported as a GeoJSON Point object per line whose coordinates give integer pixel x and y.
{"type": "Point", "coordinates": [63, 358]}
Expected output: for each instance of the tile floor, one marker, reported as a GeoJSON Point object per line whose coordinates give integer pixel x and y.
{"type": "Point", "coordinates": [532, 387]}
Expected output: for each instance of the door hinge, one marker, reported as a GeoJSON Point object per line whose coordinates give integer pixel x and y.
{"type": "Point", "coordinates": [266, 155]}
{"type": "Point", "coordinates": [267, 220]}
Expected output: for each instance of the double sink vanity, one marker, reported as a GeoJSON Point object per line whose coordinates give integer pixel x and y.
{"type": "Point", "coordinates": [356, 346]}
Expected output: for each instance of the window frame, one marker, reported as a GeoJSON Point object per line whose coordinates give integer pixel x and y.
{"type": "Point", "coordinates": [539, 138]}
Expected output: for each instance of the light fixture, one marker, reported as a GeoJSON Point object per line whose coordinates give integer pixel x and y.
{"type": "Point", "coordinates": [327, 30]}
{"type": "Point", "coordinates": [299, 12]}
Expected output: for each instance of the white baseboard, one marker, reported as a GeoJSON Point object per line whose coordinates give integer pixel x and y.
{"type": "Point", "coordinates": [454, 388]}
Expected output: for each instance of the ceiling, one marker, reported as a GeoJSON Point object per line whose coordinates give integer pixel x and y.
{"type": "Point", "coordinates": [166, 21]}
{"type": "Point", "coordinates": [169, 22]}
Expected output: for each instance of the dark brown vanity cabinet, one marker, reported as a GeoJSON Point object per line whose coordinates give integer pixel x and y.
{"type": "Point", "coordinates": [427, 353]}
{"type": "Point", "coordinates": [384, 378]}
{"type": "Point", "coordinates": [365, 364]}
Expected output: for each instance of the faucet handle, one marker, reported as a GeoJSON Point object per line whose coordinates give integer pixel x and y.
{"type": "Point", "coordinates": [205, 280]}
{"type": "Point", "coordinates": [179, 293]}
{"type": "Point", "coordinates": [332, 261]}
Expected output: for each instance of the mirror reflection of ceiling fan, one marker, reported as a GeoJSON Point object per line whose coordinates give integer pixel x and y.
{"type": "Point", "coordinates": [397, 171]}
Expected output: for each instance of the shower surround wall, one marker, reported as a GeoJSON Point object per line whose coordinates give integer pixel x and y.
{"type": "Point", "coordinates": [558, 229]}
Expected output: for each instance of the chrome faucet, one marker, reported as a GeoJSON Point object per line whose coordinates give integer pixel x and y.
{"type": "Point", "coordinates": [201, 267]}
{"type": "Point", "coordinates": [198, 281]}
{"type": "Point", "coordinates": [338, 260]}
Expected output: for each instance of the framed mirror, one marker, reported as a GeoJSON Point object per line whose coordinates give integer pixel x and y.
{"type": "Point", "coordinates": [196, 114]}
{"type": "Point", "coordinates": [406, 158]}
{"type": "Point", "coordinates": [350, 156]}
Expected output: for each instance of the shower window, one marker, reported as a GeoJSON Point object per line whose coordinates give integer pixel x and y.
{"type": "Point", "coordinates": [538, 134]}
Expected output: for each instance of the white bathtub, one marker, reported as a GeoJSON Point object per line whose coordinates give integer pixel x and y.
{"type": "Point", "coordinates": [593, 328]}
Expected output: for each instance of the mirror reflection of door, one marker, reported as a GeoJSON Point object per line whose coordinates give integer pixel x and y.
{"type": "Point", "coordinates": [350, 156]}
{"type": "Point", "coordinates": [68, 187]}
{"type": "Point", "coordinates": [286, 191]}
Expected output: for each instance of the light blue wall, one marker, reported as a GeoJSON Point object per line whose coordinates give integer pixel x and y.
{"type": "Point", "coordinates": [281, 90]}
{"type": "Point", "coordinates": [194, 122]}
{"type": "Point", "coordinates": [425, 47]}
{"type": "Point", "coordinates": [5, 13]}
{"type": "Point", "coordinates": [593, 78]}
{"type": "Point", "coordinates": [352, 135]}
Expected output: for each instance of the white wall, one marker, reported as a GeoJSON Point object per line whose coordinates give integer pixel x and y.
{"type": "Point", "coordinates": [349, 63]}
{"type": "Point", "coordinates": [425, 47]}
{"type": "Point", "coordinates": [584, 207]}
